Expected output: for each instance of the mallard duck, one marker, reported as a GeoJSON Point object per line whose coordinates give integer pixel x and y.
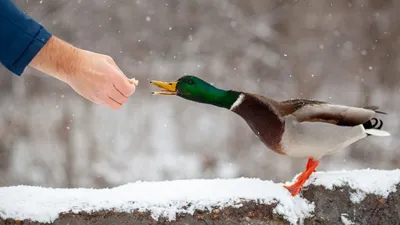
{"type": "Point", "coordinates": [296, 128]}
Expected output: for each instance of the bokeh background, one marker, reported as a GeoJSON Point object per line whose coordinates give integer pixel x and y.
{"type": "Point", "coordinates": [345, 52]}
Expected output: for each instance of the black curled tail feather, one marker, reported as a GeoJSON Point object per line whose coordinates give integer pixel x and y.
{"type": "Point", "coordinates": [373, 123]}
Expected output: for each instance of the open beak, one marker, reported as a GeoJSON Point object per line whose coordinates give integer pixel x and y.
{"type": "Point", "coordinates": [168, 88]}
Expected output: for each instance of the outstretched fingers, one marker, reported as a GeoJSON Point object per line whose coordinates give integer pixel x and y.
{"type": "Point", "coordinates": [112, 103]}
{"type": "Point", "coordinates": [99, 80]}
{"type": "Point", "coordinates": [124, 86]}
{"type": "Point", "coordinates": [117, 96]}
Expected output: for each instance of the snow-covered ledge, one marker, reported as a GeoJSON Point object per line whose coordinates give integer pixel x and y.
{"type": "Point", "coordinates": [340, 197]}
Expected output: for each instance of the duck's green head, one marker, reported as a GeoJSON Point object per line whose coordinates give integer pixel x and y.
{"type": "Point", "coordinates": [195, 89]}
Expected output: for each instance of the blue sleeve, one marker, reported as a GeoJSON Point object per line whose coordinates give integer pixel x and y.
{"type": "Point", "coordinates": [21, 37]}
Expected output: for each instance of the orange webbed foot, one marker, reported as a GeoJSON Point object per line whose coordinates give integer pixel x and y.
{"type": "Point", "coordinates": [295, 188]}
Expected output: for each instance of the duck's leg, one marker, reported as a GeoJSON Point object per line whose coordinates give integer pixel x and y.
{"type": "Point", "coordinates": [310, 168]}
{"type": "Point", "coordinates": [310, 162]}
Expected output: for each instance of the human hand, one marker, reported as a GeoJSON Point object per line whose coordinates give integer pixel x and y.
{"type": "Point", "coordinates": [94, 76]}
{"type": "Point", "coordinates": [98, 79]}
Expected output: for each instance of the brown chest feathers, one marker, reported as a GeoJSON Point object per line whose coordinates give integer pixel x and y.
{"type": "Point", "coordinates": [262, 119]}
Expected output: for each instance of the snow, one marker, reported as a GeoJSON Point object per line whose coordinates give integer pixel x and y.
{"type": "Point", "coordinates": [363, 182]}
{"type": "Point", "coordinates": [167, 198]}
{"type": "Point", "coordinates": [162, 198]}
{"type": "Point", "coordinates": [345, 220]}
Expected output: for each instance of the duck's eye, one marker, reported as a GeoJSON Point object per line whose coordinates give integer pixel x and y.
{"type": "Point", "coordinates": [190, 82]}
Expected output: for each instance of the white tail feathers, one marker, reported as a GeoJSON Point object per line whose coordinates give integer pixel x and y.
{"type": "Point", "coordinates": [376, 132]}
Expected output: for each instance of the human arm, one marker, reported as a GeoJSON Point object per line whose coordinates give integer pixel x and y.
{"type": "Point", "coordinates": [25, 42]}
{"type": "Point", "coordinates": [94, 76]}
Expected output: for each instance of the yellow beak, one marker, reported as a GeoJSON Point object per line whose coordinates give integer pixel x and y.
{"type": "Point", "coordinates": [169, 88]}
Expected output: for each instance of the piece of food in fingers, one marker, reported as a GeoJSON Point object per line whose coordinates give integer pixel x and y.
{"type": "Point", "coordinates": [134, 81]}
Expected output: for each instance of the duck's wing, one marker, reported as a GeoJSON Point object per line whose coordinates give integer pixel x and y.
{"type": "Point", "coordinates": [318, 111]}
{"type": "Point", "coordinates": [375, 108]}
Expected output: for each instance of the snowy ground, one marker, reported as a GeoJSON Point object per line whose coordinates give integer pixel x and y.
{"type": "Point", "coordinates": [170, 197]}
